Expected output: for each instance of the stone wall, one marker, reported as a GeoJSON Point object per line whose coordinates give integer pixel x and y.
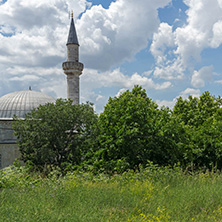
{"type": "Point", "coordinates": [8, 148]}
{"type": "Point", "coordinates": [8, 154]}
{"type": "Point", "coordinates": [6, 131]}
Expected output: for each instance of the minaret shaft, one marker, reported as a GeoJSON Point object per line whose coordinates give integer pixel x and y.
{"type": "Point", "coordinates": [72, 53]}
{"type": "Point", "coordinates": [72, 67]}
{"type": "Point", "coordinates": [73, 88]}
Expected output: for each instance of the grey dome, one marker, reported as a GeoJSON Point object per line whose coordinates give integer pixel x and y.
{"type": "Point", "coordinates": [22, 102]}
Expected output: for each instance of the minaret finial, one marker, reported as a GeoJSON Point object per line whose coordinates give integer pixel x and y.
{"type": "Point", "coordinates": [72, 14]}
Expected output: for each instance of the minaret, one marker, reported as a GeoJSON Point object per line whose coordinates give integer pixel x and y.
{"type": "Point", "coordinates": [72, 67]}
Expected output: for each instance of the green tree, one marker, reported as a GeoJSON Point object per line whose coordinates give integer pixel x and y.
{"type": "Point", "coordinates": [202, 118]}
{"type": "Point", "coordinates": [132, 130]}
{"type": "Point", "coordinates": [195, 111]}
{"type": "Point", "coordinates": [55, 134]}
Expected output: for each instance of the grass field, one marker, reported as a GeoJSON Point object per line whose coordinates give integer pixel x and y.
{"type": "Point", "coordinates": [153, 194]}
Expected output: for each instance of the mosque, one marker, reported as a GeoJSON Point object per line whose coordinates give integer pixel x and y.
{"type": "Point", "coordinates": [22, 102]}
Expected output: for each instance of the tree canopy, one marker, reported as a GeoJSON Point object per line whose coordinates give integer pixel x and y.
{"type": "Point", "coordinates": [55, 134]}
{"type": "Point", "coordinates": [202, 118]}
{"type": "Point", "coordinates": [131, 131]}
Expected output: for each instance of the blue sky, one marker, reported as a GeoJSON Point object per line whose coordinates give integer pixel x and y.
{"type": "Point", "coordinates": [170, 47]}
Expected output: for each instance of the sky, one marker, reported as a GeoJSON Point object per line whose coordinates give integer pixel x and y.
{"type": "Point", "coordinates": [171, 48]}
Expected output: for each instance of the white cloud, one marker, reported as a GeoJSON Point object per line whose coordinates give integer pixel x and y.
{"type": "Point", "coordinates": [110, 36]}
{"type": "Point", "coordinates": [217, 33]}
{"type": "Point", "coordinates": [190, 92]}
{"type": "Point", "coordinates": [178, 51]}
{"type": "Point", "coordinates": [37, 32]}
{"type": "Point", "coordinates": [202, 31]}
{"type": "Point", "coordinates": [147, 73]}
{"type": "Point", "coordinates": [162, 48]}
{"type": "Point", "coordinates": [190, 43]}
{"type": "Point", "coordinates": [38, 71]}
{"type": "Point", "coordinates": [120, 92]}
{"type": "Point", "coordinates": [78, 6]}
{"type": "Point", "coordinates": [25, 78]}
{"type": "Point", "coordinates": [166, 103]}
{"type": "Point", "coordinates": [32, 52]}
{"type": "Point", "coordinates": [163, 39]}
{"type": "Point", "coordinates": [170, 70]}
{"type": "Point", "coordinates": [92, 79]}
{"type": "Point", "coordinates": [99, 97]}
{"type": "Point", "coordinates": [184, 94]}
{"type": "Point", "coordinates": [199, 77]}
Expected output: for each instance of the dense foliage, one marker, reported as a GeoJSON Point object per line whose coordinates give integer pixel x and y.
{"type": "Point", "coordinates": [202, 118]}
{"type": "Point", "coordinates": [55, 134]}
{"type": "Point", "coordinates": [130, 132]}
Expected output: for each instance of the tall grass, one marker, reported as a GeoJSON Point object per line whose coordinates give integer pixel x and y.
{"type": "Point", "coordinates": [153, 194]}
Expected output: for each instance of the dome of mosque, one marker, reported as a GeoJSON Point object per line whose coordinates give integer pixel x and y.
{"type": "Point", "coordinates": [22, 102]}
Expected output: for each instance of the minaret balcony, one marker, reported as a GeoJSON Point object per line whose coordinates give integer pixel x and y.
{"type": "Point", "coordinates": [72, 66]}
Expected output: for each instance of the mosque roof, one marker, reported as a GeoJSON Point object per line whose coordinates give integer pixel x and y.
{"type": "Point", "coordinates": [72, 38]}
{"type": "Point", "coordinates": [22, 102]}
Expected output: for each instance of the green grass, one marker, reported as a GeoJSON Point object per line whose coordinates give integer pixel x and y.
{"type": "Point", "coordinates": [153, 194]}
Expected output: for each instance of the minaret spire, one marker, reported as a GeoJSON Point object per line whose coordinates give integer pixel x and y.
{"type": "Point", "coordinates": [72, 67]}
{"type": "Point", "coordinates": [72, 38]}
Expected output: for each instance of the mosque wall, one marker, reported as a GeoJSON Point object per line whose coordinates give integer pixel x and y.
{"type": "Point", "coordinates": [9, 150]}
{"type": "Point", "coordinates": [8, 154]}
{"type": "Point", "coordinates": [6, 131]}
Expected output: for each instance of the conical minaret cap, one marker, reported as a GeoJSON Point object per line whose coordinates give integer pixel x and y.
{"type": "Point", "coordinates": [72, 38]}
